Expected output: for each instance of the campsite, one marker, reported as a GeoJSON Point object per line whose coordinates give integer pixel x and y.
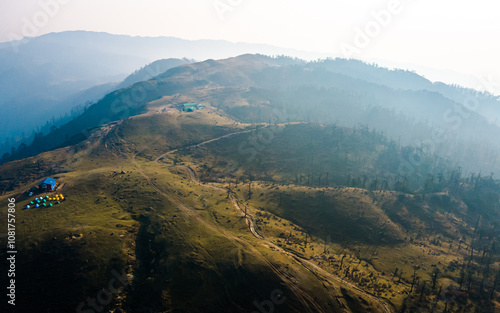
{"type": "Point", "coordinates": [45, 195]}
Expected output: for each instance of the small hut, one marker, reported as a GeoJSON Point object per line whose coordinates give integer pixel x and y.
{"type": "Point", "coordinates": [48, 184]}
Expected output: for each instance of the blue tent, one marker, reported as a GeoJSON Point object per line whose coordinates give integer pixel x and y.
{"type": "Point", "coordinates": [47, 184]}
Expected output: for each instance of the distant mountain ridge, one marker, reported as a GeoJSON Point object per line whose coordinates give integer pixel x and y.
{"type": "Point", "coordinates": [41, 77]}
{"type": "Point", "coordinates": [47, 77]}
{"type": "Point", "coordinates": [151, 70]}
{"type": "Point", "coordinates": [484, 103]}
{"type": "Point", "coordinates": [252, 88]}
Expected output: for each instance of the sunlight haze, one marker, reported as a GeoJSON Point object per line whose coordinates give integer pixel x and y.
{"type": "Point", "coordinates": [441, 40]}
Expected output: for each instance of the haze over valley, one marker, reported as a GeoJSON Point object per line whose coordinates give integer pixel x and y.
{"type": "Point", "coordinates": [147, 173]}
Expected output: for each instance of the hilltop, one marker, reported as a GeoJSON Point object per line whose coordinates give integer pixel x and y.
{"type": "Point", "coordinates": [45, 78]}
{"type": "Point", "coordinates": [260, 89]}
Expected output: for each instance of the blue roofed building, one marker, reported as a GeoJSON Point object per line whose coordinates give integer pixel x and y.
{"type": "Point", "coordinates": [48, 184]}
{"type": "Point", "coordinates": [191, 107]}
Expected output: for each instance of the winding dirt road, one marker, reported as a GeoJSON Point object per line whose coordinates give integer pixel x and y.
{"type": "Point", "coordinates": [205, 142]}
{"type": "Point", "coordinates": [319, 272]}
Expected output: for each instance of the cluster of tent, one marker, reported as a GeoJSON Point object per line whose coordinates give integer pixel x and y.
{"type": "Point", "coordinates": [44, 201]}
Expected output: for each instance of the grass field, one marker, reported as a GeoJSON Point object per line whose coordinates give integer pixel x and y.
{"type": "Point", "coordinates": [186, 245]}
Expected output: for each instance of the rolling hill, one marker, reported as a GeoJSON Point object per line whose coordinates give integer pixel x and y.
{"type": "Point", "coordinates": [165, 244]}
{"type": "Point", "coordinates": [296, 189]}
{"type": "Point", "coordinates": [151, 198]}
{"type": "Point", "coordinates": [44, 78]}
{"type": "Point", "coordinates": [257, 88]}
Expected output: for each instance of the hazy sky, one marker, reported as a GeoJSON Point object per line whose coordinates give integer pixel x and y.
{"type": "Point", "coordinates": [456, 36]}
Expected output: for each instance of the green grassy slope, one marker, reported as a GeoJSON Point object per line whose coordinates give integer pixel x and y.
{"type": "Point", "coordinates": [378, 231]}
{"type": "Point", "coordinates": [183, 246]}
